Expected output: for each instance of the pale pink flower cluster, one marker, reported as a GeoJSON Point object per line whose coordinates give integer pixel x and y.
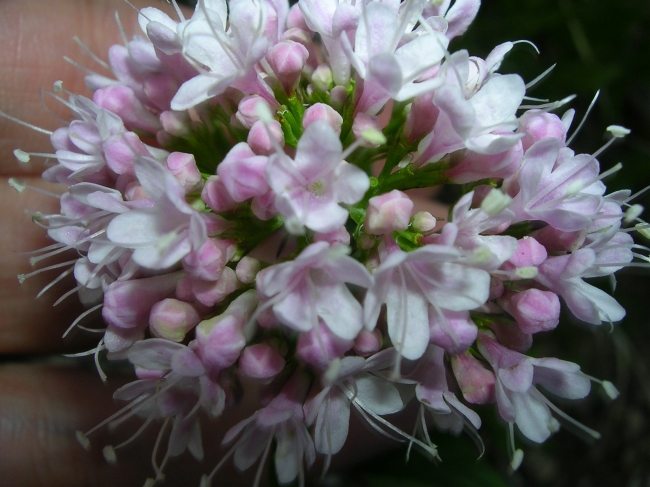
{"type": "Point", "coordinates": [218, 133]}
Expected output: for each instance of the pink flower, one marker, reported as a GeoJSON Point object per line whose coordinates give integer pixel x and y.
{"type": "Point", "coordinates": [312, 286]}
{"type": "Point", "coordinates": [310, 187]}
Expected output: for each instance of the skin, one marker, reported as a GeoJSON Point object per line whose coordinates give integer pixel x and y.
{"type": "Point", "coordinates": [45, 398]}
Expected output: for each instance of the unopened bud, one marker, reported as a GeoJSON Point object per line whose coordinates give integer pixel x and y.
{"type": "Point", "coordinates": [338, 97]}
{"type": "Point", "coordinates": [388, 212]}
{"type": "Point", "coordinates": [321, 111]}
{"type": "Point", "coordinates": [423, 222]}
{"type": "Point", "coordinates": [322, 77]}
{"type": "Point", "coordinates": [247, 269]}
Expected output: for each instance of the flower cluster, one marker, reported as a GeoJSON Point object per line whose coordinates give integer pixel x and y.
{"type": "Point", "coordinates": [237, 199]}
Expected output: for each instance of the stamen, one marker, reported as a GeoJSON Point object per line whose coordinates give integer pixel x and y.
{"type": "Point", "coordinates": [541, 76]}
{"type": "Point", "coordinates": [49, 286]}
{"type": "Point", "coordinates": [23, 277]}
{"type": "Point", "coordinates": [538, 395]}
{"type": "Point", "coordinates": [66, 295]}
{"type": "Point", "coordinates": [632, 213]}
{"type": "Point", "coordinates": [120, 28]}
{"type": "Point", "coordinates": [179, 12]}
{"type": "Point", "coordinates": [159, 473]}
{"type": "Point", "coordinates": [584, 118]}
{"type": "Point", "coordinates": [258, 474]}
{"type": "Point", "coordinates": [25, 124]}
{"type": "Point", "coordinates": [86, 353]}
{"type": "Point", "coordinates": [80, 66]}
{"type": "Point", "coordinates": [90, 53]}
{"type": "Point", "coordinates": [21, 155]}
{"type": "Point", "coordinates": [549, 106]}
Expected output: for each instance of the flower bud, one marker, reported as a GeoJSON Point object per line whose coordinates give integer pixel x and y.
{"type": "Point", "coordinates": [534, 310]}
{"type": "Point", "coordinates": [287, 58]}
{"type": "Point", "coordinates": [121, 100]}
{"type": "Point", "coordinates": [295, 18]}
{"type": "Point", "coordinates": [184, 168]}
{"type": "Point", "coordinates": [454, 331]}
{"type": "Point", "coordinates": [208, 261]}
{"type": "Point", "coordinates": [216, 196]}
{"type": "Point", "coordinates": [322, 77]}
{"type": "Point", "coordinates": [247, 269]}
{"type": "Point", "coordinates": [367, 124]}
{"type": "Point", "coordinates": [171, 319]}
{"type": "Point", "coordinates": [321, 111]}
{"type": "Point", "coordinates": [538, 125]}
{"type": "Point", "coordinates": [368, 342]}
{"type": "Point", "coordinates": [176, 123]}
{"type": "Point", "coordinates": [242, 173]}
{"type": "Point", "coordinates": [260, 361]}
{"type": "Point", "coordinates": [338, 97]}
{"type": "Point", "coordinates": [259, 137]}
{"type": "Point", "coordinates": [529, 253]}
{"type": "Point", "coordinates": [555, 240]}
{"type": "Point", "coordinates": [475, 381]}
{"type": "Point", "coordinates": [388, 212]}
{"type": "Point", "coordinates": [121, 150]}
{"type": "Point", "coordinates": [510, 335]}
{"type": "Point", "coordinates": [423, 222]}
{"type": "Point", "coordinates": [210, 293]}
{"type": "Point", "coordinates": [319, 346]}
{"type": "Point", "coordinates": [219, 341]}
{"type": "Point", "coordinates": [248, 112]}
{"type": "Point", "coordinates": [338, 236]}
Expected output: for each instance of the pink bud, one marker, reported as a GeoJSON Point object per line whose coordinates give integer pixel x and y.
{"type": "Point", "coordinates": [160, 88]}
{"type": "Point", "coordinates": [134, 191]}
{"type": "Point", "coordinates": [216, 195]}
{"type": "Point", "coordinates": [260, 141]}
{"type": "Point", "coordinates": [183, 167]}
{"type": "Point", "coordinates": [287, 58]}
{"type": "Point", "coordinates": [424, 222]}
{"type": "Point", "coordinates": [534, 310]}
{"type": "Point", "coordinates": [340, 235]}
{"type": "Point", "coordinates": [368, 342]}
{"type": "Point", "coordinates": [362, 123]}
{"type": "Point", "coordinates": [321, 111]}
{"type": "Point", "coordinates": [171, 319]}
{"type": "Point", "coordinates": [247, 111]}
{"type": "Point", "coordinates": [388, 212]}
{"type": "Point", "coordinates": [220, 341]}
{"type": "Point", "coordinates": [127, 304]}
{"type": "Point", "coordinates": [538, 125]}
{"type": "Point", "coordinates": [247, 269]}
{"type": "Point", "coordinates": [338, 97]}
{"type": "Point", "coordinates": [496, 288]}
{"type": "Point", "coordinates": [242, 173]}
{"type": "Point", "coordinates": [121, 100]}
{"type": "Point", "coordinates": [260, 361]}
{"type": "Point", "coordinates": [295, 18]}
{"type": "Point", "coordinates": [529, 253]}
{"type": "Point", "coordinates": [208, 261]}
{"type": "Point", "coordinates": [210, 293]}
{"type": "Point", "coordinates": [322, 78]}
{"type": "Point", "coordinates": [421, 118]}
{"type": "Point", "coordinates": [121, 150]}
{"type": "Point", "coordinates": [475, 381]}
{"type": "Point", "coordinates": [557, 241]}
{"type": "Point", "coordinates": [320, 350]}
{"type": "Point", "coordinates": [176, 123]}
{"type": "Point", "coordinates": [510, 335]}
{"type": "Point", "coordinates": [454, 331]}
